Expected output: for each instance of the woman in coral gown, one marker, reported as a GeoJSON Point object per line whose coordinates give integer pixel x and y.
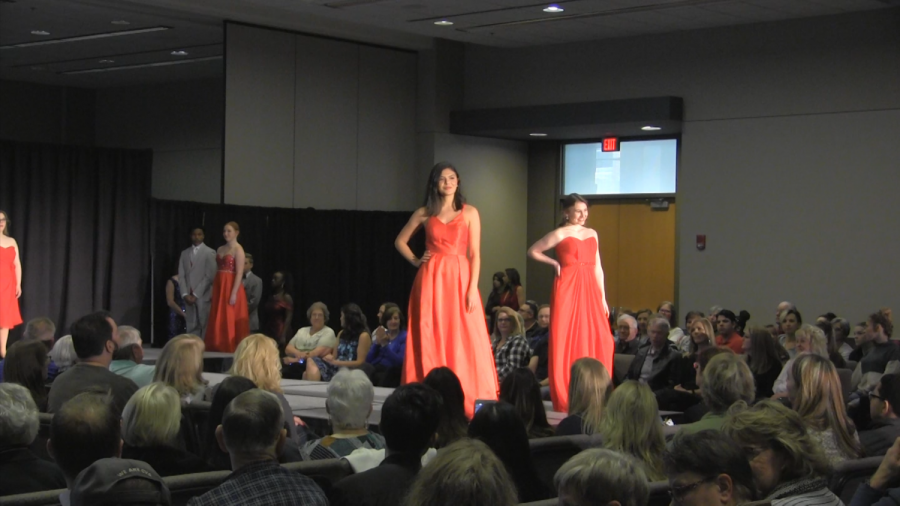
{"type": "Point", "coordinates": [446, 320]}
{"type": "Point", "coordinates": [10, 282]}
{"type": "Point", "coordinates": [229, 320]}
{"type": "Point", "coordinates": [579, 326]}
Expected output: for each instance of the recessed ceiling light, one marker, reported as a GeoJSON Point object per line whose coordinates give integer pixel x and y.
{"type": "Point", "coordinates": [120, 22]}
{"type": "Point", "coordinates": [107, 61]}
{"type": "Point", "coordinates": [443, 22]}
{"type": "Point", "coordinates": [651, 128]}
{"type": "Point", "coordinates": [179, 53]}
{"type": "Point", "coordinates": [40, 32]}
{"type": "Point", "coordinates": [538, 134]}
{"type": "Point", "coordinates": [553, 8]}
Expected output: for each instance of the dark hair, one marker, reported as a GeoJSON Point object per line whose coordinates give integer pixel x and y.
{"type": "Point", "coordinates": [227, 390]}
{"type": "Point", "coordinates": [85, 429]}
{"type": "Point", "coordinates": [410, 418]}
{"type": "Point", "coordinates": [453, 424]}
{"type": "Point", "coordinates": [673, 320]}
{"type": "Point", "coordinates": [742, 318]}
{"type": "Point", "coordinates": [389, 313]}
{"type": "Point", "coordinates": [125, 353]}
{"type": "Point", "coordinates": [287, 281]}
{"type": "Point", "coordinates": [521, 389]}
{"type": "Point", "coordinates": [8, 222]}
{"type": "Point", "coordinates": [433, 198]}
{"type": "Point", "coordinates": [90, 334]}
{"type": "Point", "coordinates": [763, 351]}
{"type": "Point", "coordinates": [890, 391]}
{"type": "Point", "coordinates": [500, 427]}
{"type": "Point", "coordinates": [514, 278]}
{"type": "Point", "coordinates": [828, 316]}
{"type": "Point", "coordinates": [706, 355]}
{"type": "Point", "coordinates": [710, 453]}
{"type": "Point", "coordinates": [354, 322]}
{"type": "Point", "coordinates": [692, 314]}
{"type": "Point", "coordinates": [569, 201]}
{"type": "Point", "coordinates": [796, 313]}
{"type": "Point", "coordinates": [200, 227]}
{"type": "Point", "coordinates": [24, 365]}
{"type": "Point", "coordinates": [879, 318]}
{"type": "Point", "coordinates": [532, 305]}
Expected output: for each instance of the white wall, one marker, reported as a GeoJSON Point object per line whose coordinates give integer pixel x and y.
{"type": "Point", "coordinates": [494, 178]}
{"type": "Point", "coordinates": [314, 122]}
{"type": "Point", "coordinates": [789, 155]}
{"type": "Point", "coordinates": [181, 122]}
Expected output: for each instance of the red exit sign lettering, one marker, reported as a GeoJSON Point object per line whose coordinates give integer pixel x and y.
{"type": "Point", "coordinates": [610, 144]}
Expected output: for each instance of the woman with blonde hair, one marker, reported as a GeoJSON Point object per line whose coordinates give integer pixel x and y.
{"type": "Point", "coordinates": [815, 392]}
{"type": "Point", "coordinates": [508, 343]}
{"type": "Point", "coordinates": [180, 366]}
{"type": "Point", "coordinates": [256, 358]}
{"type": "Point", "coordinates": [151, 425]}
{"type": "Point", "coordinates": [589, 387]}
{"type": "Point", "coordinates": [807, 339]}
{"type": "Point", "coordinates": [631, 425]}
{"type": "Point", "coordinates": [788, 465]}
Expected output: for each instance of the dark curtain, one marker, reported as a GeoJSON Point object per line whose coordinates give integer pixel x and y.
{"type": "Point", "coordinates": [335, 257]}
{"type": "Point", "coordinates": [80, 216]}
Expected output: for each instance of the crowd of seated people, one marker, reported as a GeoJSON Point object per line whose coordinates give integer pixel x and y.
{"type": "Point", "coordinates": [768, 419]}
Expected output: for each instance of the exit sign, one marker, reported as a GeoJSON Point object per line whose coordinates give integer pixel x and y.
{"type": "Point", "coordinates": [610, 144]}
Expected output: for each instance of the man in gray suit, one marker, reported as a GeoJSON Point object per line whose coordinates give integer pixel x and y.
{"type": "Point", "coordinates": [253, 287]}
{"type": "Point", "coordinates": [196, 272]}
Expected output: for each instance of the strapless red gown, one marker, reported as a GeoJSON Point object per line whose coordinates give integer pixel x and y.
{"type": "Point", "coordinates": [441, 331]}
{"type": "Point", "coordinates": [227, 324]}
{"type": "Point", "coordinates": [9, 304]}
{"type": "Point", "coordinates": [579, 326]}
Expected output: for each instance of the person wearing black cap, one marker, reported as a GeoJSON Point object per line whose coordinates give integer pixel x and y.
{"type": "Point", "coordinates": [119, 481]}
{"type": "Point", "coordinates": [726, 333]}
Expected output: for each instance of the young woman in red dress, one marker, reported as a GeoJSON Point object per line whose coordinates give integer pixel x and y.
{"type": "Point", "coordinates": [229, 318]}
{"type": "Point", "coordinates": [10, 282]}
{"type": "Point", "coordinates": [446, 320]}
{"type": "Point", "coordinates": [580, 324]}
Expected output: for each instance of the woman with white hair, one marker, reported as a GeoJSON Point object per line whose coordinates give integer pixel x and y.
{"type": "Point", "coordinates": [21, 471]}
{"type": "Point", "coordinates": [151, 429]}
{"type": "Point", "coordinates": [63, 354]}
{"type": "Point", "coordinates": [349, 404]}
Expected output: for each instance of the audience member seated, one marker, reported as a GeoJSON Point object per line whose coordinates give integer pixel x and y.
{"type": "Point", "coordinates": [349, 404]}
{"type": "Point", "coordinates": [384, 363]}
{"type": "Point", "coordinates": [128, 358]}
{"type": "Point", "coordinates": [589, 387]}
{"type": "Point", "coordinates": [409, 420]}
{"type": "Point", "coordinates": [824, 324]}
{"type": "Point", "coordinates": [93, 339]}
{"type": "Point", "coordinates": [881, 353]}
{"type": "Point", "coordinates": [763, 359]}
{"type": "Point", "coordinates": [815, 392]}
{"type": "Point", "coordinates": [601, 477]}
{"type": "Point", "coordinates": [528, 310]}
{"type": "Point", "coordinates": [120, 482]}
{"type": "Point", "coordinates": [808, 340]}
{"type": "Point", "coordinates": [63, 354]}
{"type": "Point", "coordinates": [151, 424]}
{"type": "Point", "coordinates": [510, 347]}
{"type": "Point", "coordinates": [696, 412]}
{"type": "Point", "coordinates": [540, 347]}
{"type": "Point", "coordinates": [726, 380]}
{"type": "Point", "coordinates": [656, 363]}
{"type": "Point", "coordinates": [840, 329]}
{"type": "Point", "coordinates": [882, 489]}
{"type": "Point", "coordinates": [667, 310]}
{"type": "Point", "coordinates": [252, 432]}
{"type": "Point", "coordinates": [224, 393]}
{"type": "Point", "coordinates": [708, 468]}
{"type": "Point", "coordinates": [687, 389]}
{"type": "Point", "coordinates": [789, 467]}
{"type": "Point", "coordinates": [453, 424]}
{"type": "Point", "coordinates": [256, 358]}
{"type": "Point", "coordinates": [520, 388]}
{"type": "Point", "coordinates": [85, 429]}
{"type": "Point", "coordinates": [499, 426]}
{"type": "Point", "coordinates": [40, 329]}
{"type": "Point", "coordinates": [790, 321]}
{"type": "Point", "coordinates": [627, 340]}
{"type": "Point", "coordinates": [689, 319]}
{"type": "Point", "coordinates": [26, 364]}
{"type": "Point", "coordinates": [180, 366]}
{"type": "Point", "coordinates": [631, 425]}
{"type": "Point", "coordinates": [726, 333]}
{"type": "Point", "coordinates": [466, 472]}
{"type": "Point", "coordinates": [317, 340]}
{"type": "Point", "coordinates": [353, 343]}
{"type": "Point", "coordinates": [884, 404]}
{"type": "Point", "coordinates": [20, 470]}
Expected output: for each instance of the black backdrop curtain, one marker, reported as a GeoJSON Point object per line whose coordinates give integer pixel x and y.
{"type": "Point", "coordinates": [333, 256]}
{"type": "Point", "coordinates": [80, 216]}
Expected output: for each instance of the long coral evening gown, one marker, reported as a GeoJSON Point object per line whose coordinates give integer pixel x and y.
{"type": "Point", "coordinates": [441, 331]}
{"type": "Point", "coordinates": [9, 304]}
{"type": "Point", "coordinates": [579, 326]}
{"type": "Point", "coordinates": [227, 324]}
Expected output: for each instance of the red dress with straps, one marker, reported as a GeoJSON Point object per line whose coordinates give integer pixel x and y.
{"type": "Point", "coordinates": [9, 304]}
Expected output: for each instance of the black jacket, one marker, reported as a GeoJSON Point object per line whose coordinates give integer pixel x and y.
{"type": "Point", "coordinates": [22, 472]}
{"type": "Point", "coordinates": [665, 366]}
